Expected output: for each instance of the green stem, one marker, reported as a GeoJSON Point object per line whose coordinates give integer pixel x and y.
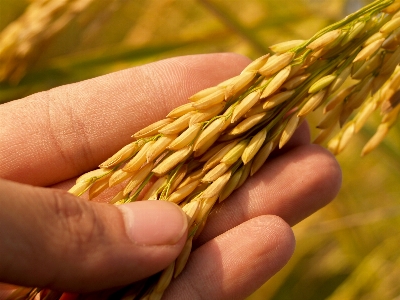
{"type": "Point", "coordinates": [367, 10]}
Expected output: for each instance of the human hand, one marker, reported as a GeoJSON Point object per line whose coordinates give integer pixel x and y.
{"type": "Point", "coordinates": [55, 240]}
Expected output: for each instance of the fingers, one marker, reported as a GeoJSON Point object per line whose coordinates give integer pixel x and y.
{"type": "Point", "coordinates": [236, 263]}
{"type": "Point", "coordinates": [55, 135]}
{"type": "Point", "coordinates": [52, 239]}
{"type": "Point", "coordinates": [6, 290]}
{"type": "Point", "coordinates": [292, 186]}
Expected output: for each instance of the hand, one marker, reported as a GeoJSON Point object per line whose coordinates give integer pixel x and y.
{"type": "Point", "coordinates": [50, 238]}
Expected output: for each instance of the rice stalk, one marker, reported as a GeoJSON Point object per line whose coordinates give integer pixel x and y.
{"type": "Point", "coordinates": [23, 40]}
{"type": "Point", "coordinates": [207, 148]}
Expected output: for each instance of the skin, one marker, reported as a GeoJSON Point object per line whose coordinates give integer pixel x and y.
{"type": "Point", "coordinates": [53, 239]}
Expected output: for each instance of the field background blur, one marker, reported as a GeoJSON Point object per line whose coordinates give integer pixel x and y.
{"type": "Point", "coordinates": [348, 250]}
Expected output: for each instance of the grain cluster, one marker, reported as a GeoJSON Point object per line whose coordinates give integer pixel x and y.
{"type": "Point", "coordinates": [206, 149]}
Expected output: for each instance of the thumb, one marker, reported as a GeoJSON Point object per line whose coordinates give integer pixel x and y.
{"type": "Point", "coordinates": [50, 238]}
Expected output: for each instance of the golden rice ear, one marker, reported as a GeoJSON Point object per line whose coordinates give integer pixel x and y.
{"type": "Point", "coordinates": [85, 181]}
{"type": "Point", "coordinates": [388, 120]}
{"type": "Point", "coordinates": [370, 66]}
{"type": "Point", "coordinates": [389, 104]}
{"type": "Point", "coordinates": [297, 69]}
{"type": "Point", "coordinates": [186, 137]}
{"type": "Point", "coordinates": [255, 110]}
{"type": "Point", "coordinates": [390, 26]}
{"type": "Point", "coordinates": [118, 177]}
{"type": "Point", "coordinates": [209, 132]}
{"type": "Point", "coordinates": [212, 151]}
{"type": "Point", "coordinates": [376, 139]}
{"type": "Point", "coordinates": [92, 174]}
{"type": "Point", "coordinates": [209, 101]}
{"type": "Point", "coordinates": [397, 13]}
{"type": "Point", "coordinates": [324, 40]}
{"type": "Point", "coordinates": [276, 82]}
{"type": "Point", "coordinates": [260, 158]}
{"type": "Point", "coordinates": [227, 83]}
{"type": "Point", "coordinates": [254, 146]}
{"type": "Point", "coordinates": [369, 50]}
{"type": "Point", "coordinates": [79, 188]}
{"type": "Point", "coordinates": [247, 124]}
{"type": "Point", "coordinates": [138, 178]}
{"type": "Point", "coordinates": [339, 80]}
{"type": "Point", "coordinates": [206, 206]}
{"type": "Point", "coordinates": [235, 153]}
{"type": "Point", "coordinates": [163, 282]}
{"type": "Point", "coordinates": [392, 8]}
{"type": "Point", "coordinates": [354, 32]}
{"type": "Point", "coordinates": [391, 117]}
{"type": "Point", "coordinates": [286, 46]}
{"type": "Point", "coordinates": [139, 159]}
{"type": "Point", "coordinates": [176, 179]}
{"type": "Point", "coordinates": [121, 155]}
{"type": "Point", "coordinates": [363, 115]}
{"type": "Point", "coordinates": [173, 160]}
{"type": "Point", "coordinates": [181, 110]}
{"type": "Point", "coordinates": [195, 195]}
{"type": "Point", "coordinates": [216, 158]}
{"type": "Point", "coordinates": [391, 43]}
{"type": "Point", "coordinates": [333, 145]}
{"type": "Point", "coordinates": [246, 173]}
{"type": "Point", "coordinates": [256, 64]}
{"type": "Point", "coordinates": [98, 186]}
{"type": "Point", "coordinates": [276, 63]}
{"type": "Point", "coordinates": [347, 134]}
{"type": "Point", "coordinates": [312, 103]}
{"type": "Point", "coordinates": [206, 145]}
{"type": "Point", "coordinates": [216, 172]}
{"type": "Point", "coordinates": [241, 82]}
{"type": "Point", "coordinates": [214, 189]}
{"type": "Point", "coordinates": [152, 129]}
{"type": "Point", "coordinates": [278, 99]}
{"type": "Point", "coordinates": [197, 175]}
{"type": "Point", "coordinates": [178, 125]}
{"type": "Point", "coordinates": [183, 257]}
{"type": "Point", "coordinates": [321, 84]}
{"type": "Point", "coordinates": [206, 92]}
{"type": "Point", "coordinates": [295, 81]}
{"type": "Point", "coordinates": [155, 189]}
{"type": "Point", "coordinates": [191, 210]}
{"type": "Point", "coordinates": [207, 114]}
{"type": "Point", "coordinates": [373, 38]}
{"type": "Point", "coordinates": [356, 99]}
{"type": "Point", "coordinates": [159, 147]}
{"type": "Point", "coordinates": [204, 150]}
{"type": "Point", "coordinates": [290, 128]}
{"type": "Point", "coordinates": [231, 185]}
{"type": "Point", "coordinates": [337, 99]}
{"type": "Point", "coordinates": [182, 192]}
{"type": "Point", "coordinates": [245, 105]}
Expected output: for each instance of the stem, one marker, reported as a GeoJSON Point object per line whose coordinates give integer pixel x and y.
{"type": "Point", "coordinates": [367, 10]}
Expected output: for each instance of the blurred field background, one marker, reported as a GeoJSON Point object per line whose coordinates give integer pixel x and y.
{"type": "Point", "coordinates": [348, 250]}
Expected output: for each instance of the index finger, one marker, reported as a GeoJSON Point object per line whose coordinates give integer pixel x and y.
{"type": "Point", "coordinates": [55, 135]}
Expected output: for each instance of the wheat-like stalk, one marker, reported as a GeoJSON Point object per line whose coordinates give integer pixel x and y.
{"type": "Point", "coordinates": [23, 40]}
{"type": "Point", "coordinates": [205, 149]}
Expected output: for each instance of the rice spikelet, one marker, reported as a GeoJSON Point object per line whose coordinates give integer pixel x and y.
{"type": "Point", "coordinates": [207, 148]}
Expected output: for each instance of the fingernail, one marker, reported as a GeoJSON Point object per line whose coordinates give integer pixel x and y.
{"type": "Point", "coordinates": [154, 222]}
